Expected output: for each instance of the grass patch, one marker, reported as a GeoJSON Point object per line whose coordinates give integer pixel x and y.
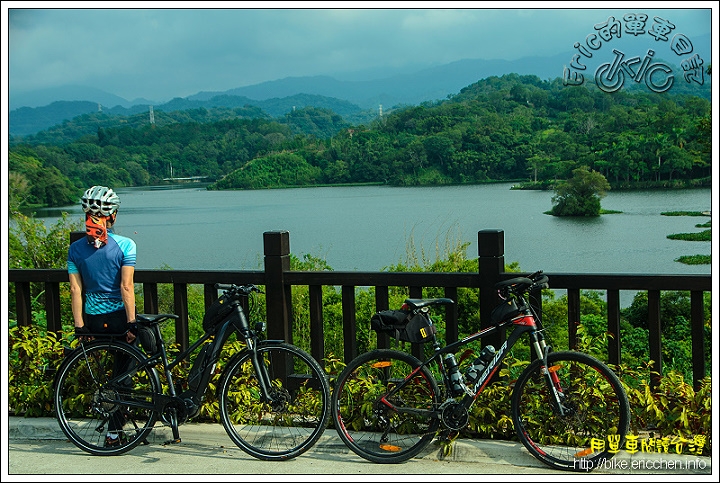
{"type": "Point", "coordinates": [705, 235]}
{"type": "Point", "coordinates": [609, 212]}
{"type": "Point", "coordinates": [694, 259]}
{"type": "Point", "coordinates": [684, 213]}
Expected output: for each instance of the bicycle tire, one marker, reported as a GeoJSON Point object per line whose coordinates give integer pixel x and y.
{"type": "Point", "coordinates": [86, 404]}
{"type": "Point", "coordinates": [290, 426]}
{"type": "Point", "coordinates": [372, 429]}
{"type": "Point", "coordinates": [598, 406]}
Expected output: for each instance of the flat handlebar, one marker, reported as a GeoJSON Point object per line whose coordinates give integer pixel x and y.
{"type": "Point", "coordinates": [521, 285]}
{"type": "Point", "coordinates": [238, 289]}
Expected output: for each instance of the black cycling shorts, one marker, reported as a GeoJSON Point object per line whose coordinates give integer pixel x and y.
{"type": "Point", "coordinates": [111, 323]}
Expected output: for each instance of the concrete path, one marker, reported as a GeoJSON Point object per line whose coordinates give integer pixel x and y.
{"type": "Point", "coordinates": [36, 446]}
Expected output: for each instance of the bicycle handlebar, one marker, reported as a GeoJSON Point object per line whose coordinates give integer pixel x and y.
{"type": "Point", "coordinates": [238, 289]}
{"type": "Point", "coordinates": [522, 285]}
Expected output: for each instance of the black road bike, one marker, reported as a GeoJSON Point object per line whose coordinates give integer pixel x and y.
{"type": "Point", "coordinates": [274, 398]}
{"type": "Point", "coordinates": [569, 409]}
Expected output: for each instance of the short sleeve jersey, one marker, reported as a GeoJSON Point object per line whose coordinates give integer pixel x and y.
{"type": "Point", "coordinates": [100, 270]}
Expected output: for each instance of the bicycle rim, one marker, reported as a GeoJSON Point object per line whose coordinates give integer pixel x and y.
{"type": "Point", "coordinates": [89, 406]}
{"type": "Point", "coordinates": [293, 421]}
{"type": "Point", "coordinates": [371, 428]}
{"type": "Point", "coordinates": [596, 419]}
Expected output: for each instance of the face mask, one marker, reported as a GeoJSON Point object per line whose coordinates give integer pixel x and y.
{"type": "Point", "coordinates": [96, 230]}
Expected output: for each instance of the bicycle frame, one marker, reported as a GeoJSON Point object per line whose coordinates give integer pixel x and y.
{"type": "Point", "coordinates": [525, 323]}
{"type": "Point", "coordinates": [235, 322]}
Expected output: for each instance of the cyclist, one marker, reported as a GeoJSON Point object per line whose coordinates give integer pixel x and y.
{"type": "Point", "coordinates": [103, 265]}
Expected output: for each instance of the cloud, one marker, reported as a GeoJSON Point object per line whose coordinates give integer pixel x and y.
{"type": "Point", "coordinates": [161, 53]}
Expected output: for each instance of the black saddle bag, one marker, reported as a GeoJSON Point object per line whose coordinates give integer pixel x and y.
{"type": "Point", "coordinates": [403, 326]}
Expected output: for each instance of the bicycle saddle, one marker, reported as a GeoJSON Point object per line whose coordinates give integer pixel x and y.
{"type": "Point", "coordinates": [154, 318]}
{"type": "Point", "coordinates": [419, 303]}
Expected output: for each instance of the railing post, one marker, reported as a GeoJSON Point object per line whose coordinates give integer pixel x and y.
{"type": "Point", "coordinates": [52, 307]}
{"type": "Point", "coordinates": [277, 262]}
{"type": "Point", "coordinates": [75, 236]}
{"type": "Point", "coordinates": [317, 339]}
{"type": "Point", "coordinates": [151, 304]}
{"type": "Point", "coordinates": [697, 331]}
{"type": "Point", "coordinates": [491, 263]}
{"type": "Point", "coordinates": [613, 325]}
{"type": "Point", "coordinates": [23, 304]}
{"type": "Point", "coordinates": [573, 296]}
{"type": "Point", "coordinates": [349, 323]}
{"type": "Point", "coordinates": [655, 336]}
{"type": "Point", "coordinates": [182, 330]}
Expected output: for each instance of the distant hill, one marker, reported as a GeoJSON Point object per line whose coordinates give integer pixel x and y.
{"type": "Point", "coordinates": [30, 121]}
{"type": "Point", "coordinates": [403, 89]}
{"type": "Point", "coordinates": [44, 97]}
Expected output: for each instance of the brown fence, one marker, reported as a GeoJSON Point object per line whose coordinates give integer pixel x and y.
{"type": "Point", "coordinates": [279, 282]}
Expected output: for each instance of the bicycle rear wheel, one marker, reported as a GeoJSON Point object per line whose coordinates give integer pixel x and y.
{"type": "Point", "coordinates": [596, 412]}
{"type": "Point", "coordinates": [296, 417]}
{"type": "Point", "coordinates": [90, 404]}
{"type": "Point", "coordinates": [368, 414]}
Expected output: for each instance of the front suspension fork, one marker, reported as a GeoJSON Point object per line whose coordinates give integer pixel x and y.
{"type": "Point", "coordinates": [260, 369]}
{"type": "Point", "coordinates": [549, 373]}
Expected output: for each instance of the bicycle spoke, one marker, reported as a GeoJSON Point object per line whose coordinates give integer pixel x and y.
{"type": "Point", "coordinates": [90, 406]}
{"type": "Point", "coordinates": [294, 416]}
{"type": "Point", "coordinates": [594, 417]}
{"type": "Point", "coordinates": [374, 421]}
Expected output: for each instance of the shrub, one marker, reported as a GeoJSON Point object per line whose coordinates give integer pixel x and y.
{"type": "Point", "coordinates": [33, 356]}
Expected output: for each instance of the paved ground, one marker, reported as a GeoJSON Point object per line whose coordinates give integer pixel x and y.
{"type": "Point", "coordinates": [36, 446]}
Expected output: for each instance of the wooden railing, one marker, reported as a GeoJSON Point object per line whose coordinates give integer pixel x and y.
{"type": "Point", "coordinates": [279, 282]}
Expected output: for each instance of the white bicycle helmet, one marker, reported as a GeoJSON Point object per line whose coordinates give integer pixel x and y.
{"type": "Point", "coordinates": [100, 200]}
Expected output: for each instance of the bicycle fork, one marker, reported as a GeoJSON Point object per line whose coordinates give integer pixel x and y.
{"type": "Point", "coordinates": [261, 370]}
{"type": "Point", "coordinates": [549, 373]}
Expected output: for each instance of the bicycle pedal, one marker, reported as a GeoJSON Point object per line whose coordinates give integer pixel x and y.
{"type": "Point", "coordinates": [172, 441]}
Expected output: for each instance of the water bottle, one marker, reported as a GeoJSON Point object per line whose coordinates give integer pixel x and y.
{"type": "Point", "coordinates": [454, 372]}
{"type": "Point", "coordinates": [479, 364]}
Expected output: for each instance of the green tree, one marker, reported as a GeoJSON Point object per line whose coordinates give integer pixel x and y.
{"type": "Point", "coordinates": [33, 245]}
{"type": "Point", "coordinates": [18, 191]}
{"type": "Point", "coordinates": [580, 195]}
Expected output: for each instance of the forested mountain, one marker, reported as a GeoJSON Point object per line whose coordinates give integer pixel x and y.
{"type": "Point", "coordinates": [45, 124]}
{"type": "Point", "coordinates": [500, 128]}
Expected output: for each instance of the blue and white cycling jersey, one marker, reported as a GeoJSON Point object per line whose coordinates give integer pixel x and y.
{"type": "Point", "coordinates": [100, 269]}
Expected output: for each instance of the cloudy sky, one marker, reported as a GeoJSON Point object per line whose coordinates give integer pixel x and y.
{"type": "Point", "coordinates": [144, 50]}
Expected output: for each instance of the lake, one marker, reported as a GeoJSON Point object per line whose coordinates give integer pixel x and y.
{"type": "Point", "coordinates": [367, 228]}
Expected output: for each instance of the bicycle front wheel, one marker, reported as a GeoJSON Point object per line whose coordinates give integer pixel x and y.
{"type": "Point", "coordinates": [591, 422]}
{"type": "Point", "coordinates": [295, 416]}
{"type": "Point", "coordinates": [93, 405]}
{"type": "Point", "coordinates": [374, 418]}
